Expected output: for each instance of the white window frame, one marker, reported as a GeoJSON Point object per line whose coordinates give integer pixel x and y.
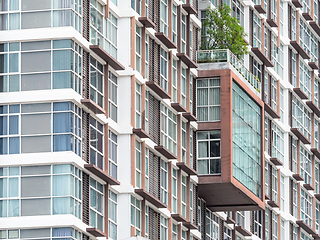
{"type": "Point", "coordinates": [164, 69]}
{"type": "Point", "coordinates": [164, 181]}
{"type": "Point", "coordinates": [168, 129]}
{"type": "Point", "coordinates": [138, 164]}
{"type": "Point", "coordinates": [164, 17]}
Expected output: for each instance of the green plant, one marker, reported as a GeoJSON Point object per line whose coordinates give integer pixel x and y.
{"type": "Point", "coordinates": [222, 31]}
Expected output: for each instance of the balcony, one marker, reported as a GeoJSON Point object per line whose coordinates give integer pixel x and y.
{"type": "Point", "coordinates": [226, 56]}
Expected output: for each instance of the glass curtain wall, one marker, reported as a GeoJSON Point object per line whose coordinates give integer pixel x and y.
{"type": "Point", "coordinates": [246, 140]}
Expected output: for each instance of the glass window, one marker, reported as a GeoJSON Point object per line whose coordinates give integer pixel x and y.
{"type": "Point", "coordinates": [136, 215]}
{"type": "Point", "coordinates": [138, 48]}
{"type": "Point", "coordinates": [63, 122]}
{"type": "Point", "coordinates": [246, 122]}
{"type": "Point", "coordinates": [96, 204]}
{"type": "Point", "coordinates": [136, 5]}
{"type": "Point", "coordinates": [113, 155]}
{"type": "Point", "coordinates": [183, 87]}
{"type": "Point", "coordinates": [174, 190]}
{"type": "Point", "coordinates": [138, 164]}
{"type": "Point", "coordinates": [163, 228]}
{"type": "Point", "coordinates": [138, 105]}
{"type": "Point", "coordinates": [238, 11]}
{"type": "Point", "coordinates": [208, 145]}
{"type": "Point", "coordinates": [306, 207]}
{"type": "Point", "coordinates": [305, 165]}
{"type": "Point", "coordinates": [208, 99]}
{"type": "Point", "coordinates": [278, 143]}
{"type": "Point", "coordinates": [256, 31]}
{"type": "Point", "coordinates": [174, 81]}
{"type": "Point", "coordinates": [258, 220]}
{"type": "Point", "coordinates": [164, 182]}
{"type": "Point", "coordinates": [33, 68]}
{"type": "Point", "coordinates": [164, 69]}
{"type": "Point", "coordinates": [212, 226]}
{"type": "Point", "coordinates": [183, 33]}
{"type": "Point", "coordinates": [40, 190]}
{"type": "Point", "coordinates": [184, 196]}
{"type": "Point", "coordinates": [96, 82]}
{"type": "Point", "coordinates": [168, 129]}
{"type": "Point", "coordinates": [96, 143]}
{"type": "Point", "coordinates": [113, 97]}
{"type": "Point", "coordinates": [301, 117]}
{"type": "Point", "coordinates": [174, 23]}
{"type": "Point", "coordinates": [164, 16]}
{"type": "Point", "coordinates": [113, 213]}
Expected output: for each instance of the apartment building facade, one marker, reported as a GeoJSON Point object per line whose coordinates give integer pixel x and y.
{"type": "Point", "coordinates": [114, 126]}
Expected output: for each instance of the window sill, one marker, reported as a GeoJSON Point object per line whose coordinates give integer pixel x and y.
{"type": "Point", "coordinates": [300, 135]}
{"type": "Point", "coordinates": [314, 108]}
{"type": "Point", "coordinates": [165, 152]}
{"type": "Point", "coordinates": [101, 174]}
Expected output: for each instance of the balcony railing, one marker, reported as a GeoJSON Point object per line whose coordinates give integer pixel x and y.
{"type": "Point", "coordinates": [225, 55]}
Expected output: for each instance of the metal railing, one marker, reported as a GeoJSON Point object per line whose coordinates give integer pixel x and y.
{"type": "Point", "coordinates": [225, 55]}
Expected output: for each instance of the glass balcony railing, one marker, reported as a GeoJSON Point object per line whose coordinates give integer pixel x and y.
{"type": "Point", "coordinates": [225, 55]}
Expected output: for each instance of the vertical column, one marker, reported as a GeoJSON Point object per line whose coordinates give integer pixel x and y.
{"type": "Point", "coordinates": [170, 19]}
{"type": "Point", "coordinates": [179, 28]}
{"type": "Point", "coordinates": [143, 51]}
{"type": "Point", "coordinates": [312, 12]}
{"type": "Point", "coordinates": [143, 10]}
{"type": "Point", "coordinates": [143, 218]}
{"type": "Point", "coordinates": [106, 10]}
{"type": "Point", "coordinates": [188, 35]}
